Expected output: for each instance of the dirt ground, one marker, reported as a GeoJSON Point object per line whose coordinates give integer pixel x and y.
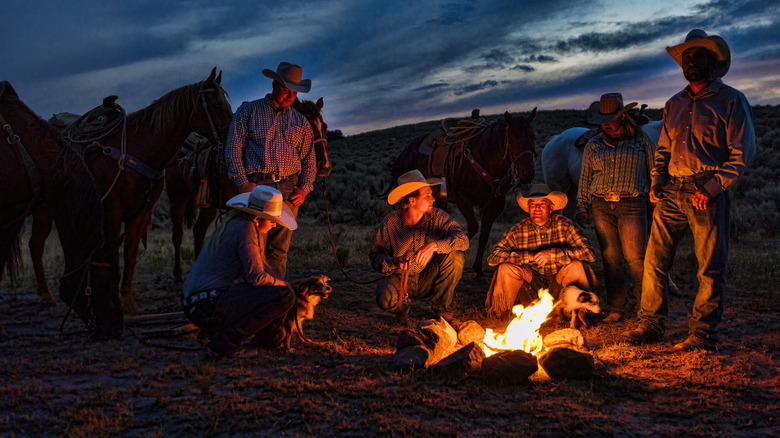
{"type": "Point", "coordinates": [56, 384]}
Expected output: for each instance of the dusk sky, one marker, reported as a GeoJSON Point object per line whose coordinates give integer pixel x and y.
{"type": "Point", "coordinates": [381, 63]}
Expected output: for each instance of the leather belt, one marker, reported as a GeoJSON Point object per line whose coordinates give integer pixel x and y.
{"type": "Point", "coordinates": [271, 176]}
{"type": "Point", "coordinates": [695, 178]}
{"type": "Point", "coordinates": [200, 296]}
{"type": "Point", "coordinates": [614, 196]}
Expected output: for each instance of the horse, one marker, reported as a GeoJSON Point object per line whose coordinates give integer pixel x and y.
{"type": "Point", "coordinates": [562, 162]}
{"type": "Point", "coordinates": [497, 156]}
{"type": "Point", "coordinates": [38, 168]}
{"type": "Point", "coordinates": [206, 161]}
{"type": "Point", "coordinates": [129, 162]}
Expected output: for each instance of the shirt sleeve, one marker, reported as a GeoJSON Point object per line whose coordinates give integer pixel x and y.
{"type": "Point", "coordinates": [741, 143]}
{"type": "Point", "coordinates": [308, 161]}
{"type": "Point", "coordinates": [251, 254]}
{"type": "Point", "coordinates": [234, 147]}
{"type": "Point", "coordinates": [508, 249]}
{"type": "Point", "coordinates": [584, 196]}
{"type": "Point", "coordinates": [577, 246]}
{"type": "Point", "coordinates": [455, 240]}
{"type": "Point", "coordinates": [380, 255]}
{"type": "Point", "coordinates": [660, 169]}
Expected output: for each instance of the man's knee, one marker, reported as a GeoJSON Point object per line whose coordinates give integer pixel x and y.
{"type": "Point", "coordinates": [453, 262]}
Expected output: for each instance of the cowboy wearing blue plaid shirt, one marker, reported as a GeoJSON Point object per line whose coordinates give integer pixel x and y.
{"type": "Point", "coordinates": [270, 143]}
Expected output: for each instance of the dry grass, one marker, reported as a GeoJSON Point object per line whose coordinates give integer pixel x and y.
{"type": "Point", "coordinates": [55, 384]}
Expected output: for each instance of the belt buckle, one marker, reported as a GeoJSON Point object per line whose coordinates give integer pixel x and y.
{"type": "Point", "coordinates": [276, 178]}
{"type": "Point", "coordinates": [612, 196]}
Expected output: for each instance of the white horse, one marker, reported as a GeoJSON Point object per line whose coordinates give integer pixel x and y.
{"type": "Point", "coordinates": [562, 162]}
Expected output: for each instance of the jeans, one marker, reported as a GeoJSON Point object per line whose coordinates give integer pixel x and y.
{"type": "Point", "coordinates": [621, 228]}
{"type": "Point", "coordinates": [277, 241]}
{"type": "Point", "coordinates": [241, 312]}
{"type": "Point", "coordinates": [672, 217]}
{"type": "Point", "coordinates": [437, 280]}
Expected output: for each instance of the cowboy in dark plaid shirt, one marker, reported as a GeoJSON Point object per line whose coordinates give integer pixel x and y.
{"type": "Point", "coordinates": [270, 143]}
{"type": "Point", "coordinates": [542, 251]}
{"type": "Point", "coordinates": [421, 240]}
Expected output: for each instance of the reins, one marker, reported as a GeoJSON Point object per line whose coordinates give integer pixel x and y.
{"type": "Point", "coordinates": [29, 165]}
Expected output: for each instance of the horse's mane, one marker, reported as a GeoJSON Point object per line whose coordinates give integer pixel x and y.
{"type": "Point", "coordinates": [306, 107]}
{"type": "Point", "coordinates": [165, 112]}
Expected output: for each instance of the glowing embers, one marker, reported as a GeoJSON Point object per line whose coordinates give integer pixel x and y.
{"type": "Point", "coordinates": [522, 333]}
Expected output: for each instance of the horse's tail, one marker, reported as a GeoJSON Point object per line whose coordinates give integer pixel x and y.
{"type": "Point", "coordinates": [10, 253]}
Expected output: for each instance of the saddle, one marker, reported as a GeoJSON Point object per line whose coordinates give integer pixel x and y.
{"type": "Point", "coordinates": [199, 156]}
{"type": "Point", "coordinates": [93, 125]}
{"type": "Point", "coordinates": [442, 145]}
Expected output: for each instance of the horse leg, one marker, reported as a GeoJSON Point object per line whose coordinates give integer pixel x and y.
{"type": "Point", "coordinates": [41, 228]}
{"type": "Point", "coordinates": [489, 213]}
{"type": "Point", "coordinates": [134, 232]}
{"type": "Point", "coordinates": [177, 208]}
{"type": "Point", "coordinates": [205, 218]}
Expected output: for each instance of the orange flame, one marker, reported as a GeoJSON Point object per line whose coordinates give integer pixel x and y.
{"type": "Point", "coordinates": [522, 333]}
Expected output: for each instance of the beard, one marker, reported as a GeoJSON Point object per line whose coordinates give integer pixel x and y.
{"type": "Point", "coordinates": [696, 75]}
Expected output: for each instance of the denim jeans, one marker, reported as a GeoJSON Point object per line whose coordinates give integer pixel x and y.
{"type": "Point", "coordinates": [240, 312]}
{"type": "Point", "coordinates": [437, 280]}
{"type": "Point", "coordinates": [674, 215]}
{"type": "Point", "coordinates": [621, 228]}
{"type": "Point", "coordinates": [277, 241]}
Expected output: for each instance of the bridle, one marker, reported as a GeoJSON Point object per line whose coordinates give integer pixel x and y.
{"type": "Point", "coordinates": [32, 170]}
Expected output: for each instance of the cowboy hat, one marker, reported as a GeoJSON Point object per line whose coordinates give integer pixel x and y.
{"type": "Point", "coordinates": [289, 75]}
{"type": "Point", "coordinates": [265, 202]}
{"type": "Point", "coordinates": [713, 43]}
{"type": "Point", "coordinates": [610, 107]}
{"type": "Point", "coordinates": [410, 182]}
{"type": "Point", "coordinates": [542, 191]}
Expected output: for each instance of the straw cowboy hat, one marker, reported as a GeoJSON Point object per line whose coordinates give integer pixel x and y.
{"type": "Point", "coordinates": [265, 202]}
{"type": "Point", "coordinates": [290, 75]}
{"type": "Point", "coordinates": [609, 108]}
{"type": "Point", "coordinates": [410, 182]}
{"type": "Point", "coordinates": [713, 43]}
{"type": "Point", "coordinates": [542, 191]}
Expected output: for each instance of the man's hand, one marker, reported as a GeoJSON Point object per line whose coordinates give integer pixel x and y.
{"type": "Point", "coordinates": [297, 197]}
{"type": "Point", "coordinates": [700, 200]}
{"type": "Point", "coordinates": [656, 193]}
{"type": "Point", "coordinates": [246, 187]}
{"type": "Point", "coordinates": [543, 257]}
{"type": "Point", "coordinates": [425, 254]}
{"type": "Point", "coordinates": [401, 262]}
{"type": "Point", "coordinates": [582, 218]}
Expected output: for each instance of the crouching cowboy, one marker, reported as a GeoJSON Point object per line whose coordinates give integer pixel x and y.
{"type": "Point", "coordinates": [420, 248]}
{"type": "Point", "coordinates": [542, 251]}
{"type": "Point", "coordinates": [228, 293]}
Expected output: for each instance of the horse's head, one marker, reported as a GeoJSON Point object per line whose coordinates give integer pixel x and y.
{"type": "Point", "coordinates": [93, 292]}
{"type": "Point", "coordinates": [520, 141]}
{"type": "Point", "coordinates": [313, 112]}
{"type": "Point", "coordinates": [213, 115]}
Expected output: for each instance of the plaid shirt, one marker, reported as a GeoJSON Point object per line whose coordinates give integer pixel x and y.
{"type": "Point", "coordinates": [623, 168]}
{"type": "Point", "coordinates": [522, 241]}
{"type": "Point", "coordinates": [396, 239]}
{"type": "Point", "coordinates": [262, 140]}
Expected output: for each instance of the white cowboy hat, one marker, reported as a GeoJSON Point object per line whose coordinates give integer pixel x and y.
{"type": "Point", "coordinates": [610, 107]}
{"type": "Point", "coordinates": [408, 183]}
{"type": "Point", "coordinates": [542, 191]}
{"type": "Point", "coordinates": [714, 43]}
{"type": "Point", "coordinates": [290, 75]}
{"type": "Point", "coordinates": [265, 202]}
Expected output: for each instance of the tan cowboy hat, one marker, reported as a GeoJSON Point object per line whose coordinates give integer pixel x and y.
{"type": "Point", "coordinates": [539, 191]}
{"type": "Point", "coordinates": [290, 75]}
{"type": "Point", "coordinates": [714, 43]}
{"type": "Point", "coordinates": [610, 107]}
{"type": "Point", "coordinates": [410, 182]}
{"type": "Point", "coordinates": [265, 202]}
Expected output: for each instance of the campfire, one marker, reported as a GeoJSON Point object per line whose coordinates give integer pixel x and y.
{"type": "Point", "coordinates": [522, 333]}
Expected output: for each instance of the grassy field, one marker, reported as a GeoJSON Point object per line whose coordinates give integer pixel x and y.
{"type": "Point", "coordinates": [56, 384]}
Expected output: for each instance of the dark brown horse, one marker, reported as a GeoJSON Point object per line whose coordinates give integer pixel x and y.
{"type": "Point", "coordinates": [128, 164]}
{"type": "Point", "coordinates": [482, 171]}
{"type": "Point", "coordinates": [37, 168]}
{"type": "Point", "coordinates": [202, 160]}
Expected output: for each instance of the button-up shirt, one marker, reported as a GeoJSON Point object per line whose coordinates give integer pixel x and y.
{"type": "Point", "coordinates": [522, 241]}
{"type": "Point", "coordinates": [234, 252]}
{"type": "Point", "coordinates": [623, 168]}
{"type": "Point", "coordinates": [264, 140]}
{"type": "Point", "coordinates": [397, 239]}
{"type": "Point", "coordinates": [709, 131]}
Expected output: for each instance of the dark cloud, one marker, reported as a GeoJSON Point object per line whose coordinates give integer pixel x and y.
{"type": "Point", "coordinates": [476, 87]}
{"type": "Point", "coordinates": [523, 67]}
